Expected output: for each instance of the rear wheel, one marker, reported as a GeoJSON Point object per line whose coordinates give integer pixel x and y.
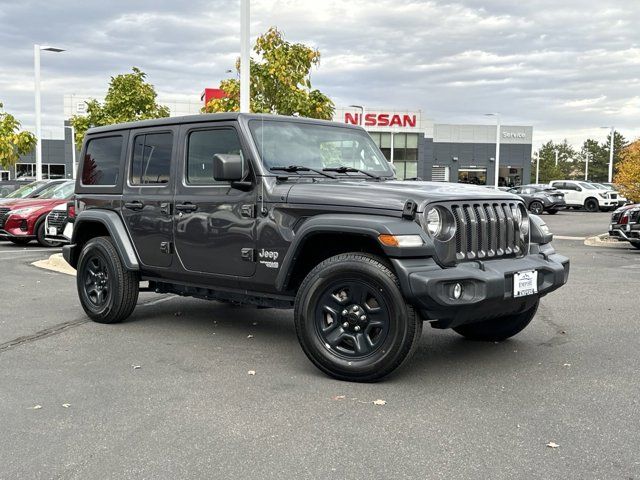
{"type": "Point", "coordinates": [19, 241]}
{"type": "Point", "coordinates": [352, 320]}
{"type": "Point", "coordinates": [108, 291]}
{"type": "Point", "coordinates": [41, 236]}
{"type": "Point", "coordinates": [636, 245]}
{"type": "Point", "coordinates": [536, 207]}
{"type": "Point", "coordinates": [552, 212]}
{"type": "Point", "coordinates": [498, 329]}
{"type": "Point", "coordinates": [591, 205]}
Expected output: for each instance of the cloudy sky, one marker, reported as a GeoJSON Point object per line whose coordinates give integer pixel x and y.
{"type": "Point", "coordinates": [566, 67]}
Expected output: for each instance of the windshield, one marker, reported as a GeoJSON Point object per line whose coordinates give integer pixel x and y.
{"type": "Point", "coordinates": [602, 186]}
{"type": "Point", "coordinates": [60, 191]}
{"type": "Point", "coordinates": [283, 143]}
{"type": "Point", "coordinates": [587, 186]}
{"type": "Point", "coordinates": [25, 190]}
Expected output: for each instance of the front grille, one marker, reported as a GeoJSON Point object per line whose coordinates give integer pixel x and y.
{"type": "Point", "coordinates": [57, 219]}
{"type": "Point", "coordinates": [3, 216]}
{"type": "Point", "coordinates": [486, 230]}
{"type": "Point", "coordinates": [613, 196]}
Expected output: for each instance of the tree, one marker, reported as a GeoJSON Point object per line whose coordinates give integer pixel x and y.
{"type": "Point", "coordinates": [13, 141]}
{"type": "Point", "coordinates": [280, 81]}
{"type": "Point", "coordinates": [128, 99]}
{"type": "Point", "coordinates": [599, 156]}
{"type": "Point", "coordinates": [547, 155]}
{"type": "Point", "coordinates": [628, 171]}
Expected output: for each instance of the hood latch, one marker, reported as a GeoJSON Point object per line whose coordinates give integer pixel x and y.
{"type": "Point", "coordinates": [409, 210]}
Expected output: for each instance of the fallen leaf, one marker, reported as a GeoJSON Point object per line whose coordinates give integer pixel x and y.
{"type": "Point", "coordinates": [66, 405]}
{"type": "Point", "coordinates": [379, 402]}
{"type": "Point", "coordinates": [136, 367]}
{"type": "Point", "coordinates": [251, 372]}
{"type": "Point", "coordinates": [566, 365]}
{"type": "Point", "coordinates": [249, 336]}
{"type": "Point", "coordinates": [36, 407]}
{"type": "Point", "coordinates": [552, 445]}
{"type": "Point", "coordinates": [338, 397]}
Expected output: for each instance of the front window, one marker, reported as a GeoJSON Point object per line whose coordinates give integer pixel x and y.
{"type": "Point", "coordinates": [282, 143]}
{"type": "Point", "coordinates": [22, 192]}
{"type": "Point", "coordinates": [587, 186]}
{"type": "Point", "coordinates": [60, 191]}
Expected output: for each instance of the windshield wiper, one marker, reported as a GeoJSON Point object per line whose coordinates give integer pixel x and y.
{"type": "Point", "coordinates": [343, 169]}
{"type": "Point", "coordinates": [300, 168]}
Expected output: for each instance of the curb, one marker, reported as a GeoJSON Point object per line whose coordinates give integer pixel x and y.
{"type": "Point", "coordinates": [55, 263]}
{"type": "Point", "coordinates": [603, 240]}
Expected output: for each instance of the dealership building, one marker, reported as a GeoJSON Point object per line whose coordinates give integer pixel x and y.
{"type": "Point", "coordinates": [416, 145]}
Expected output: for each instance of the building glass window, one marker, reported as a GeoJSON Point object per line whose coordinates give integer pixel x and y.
{"type": "Point", "coordinates": [50, 171]}
{"type": "Point", "coordinates": [405, 151]}
{"type": "Point", "coordinates": [475, 176]}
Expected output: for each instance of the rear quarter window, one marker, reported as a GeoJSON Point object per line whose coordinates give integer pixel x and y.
{"type": "Point", "coordinates": [101, 163]}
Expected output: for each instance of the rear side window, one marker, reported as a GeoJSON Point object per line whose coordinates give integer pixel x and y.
{"type": "Point", "coordinates": [203, 145]}
{"type": "Point", "coordinates": [101, 164]}
{"type": "Point", "coordinates": [151, 162]}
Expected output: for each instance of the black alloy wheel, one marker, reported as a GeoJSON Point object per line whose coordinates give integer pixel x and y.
{"type": "Point", "coordinates": [108, 291]}
{"type": "Point", "coordinates": [635, 245]}
{"type": "Point", "coordinates": [536, 207]}
{"type": "Point", "coordinates": [19, 241]}
{"type": "Point", "coordinates": [41, 236]}
{"type": "Point", "coordinates": [553, 211]}
{"type": "Point", "coordinates": [352, 320]}
{"type": "Point", "coordinates": [591, 205]}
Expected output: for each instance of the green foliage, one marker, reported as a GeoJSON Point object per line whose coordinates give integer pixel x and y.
{"type": "Point", "coordinates": [128, 99]}
{"type": "Point", "coordinates": [599, 157]}
{"type": "Point", "coordinates": [13, 142]}
{"type": "Point", "coordinates": [280, 81]}
{"type": "Point", "coordinates": [548, 169]}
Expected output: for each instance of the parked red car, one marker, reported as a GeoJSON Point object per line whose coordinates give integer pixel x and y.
{"type": "Point", "coordinates": [23, 220]}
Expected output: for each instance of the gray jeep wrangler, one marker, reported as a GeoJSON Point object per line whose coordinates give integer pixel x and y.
{"type": "Point", "coordinates": [305, 214]}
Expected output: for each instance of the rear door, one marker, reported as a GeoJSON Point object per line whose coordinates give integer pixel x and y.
{"type": "Point", "coordinates": [147, 194]}
{"type": "Point", "coordinates": [214, 222]}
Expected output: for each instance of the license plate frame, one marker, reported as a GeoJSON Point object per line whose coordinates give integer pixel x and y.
{"type": "Point", "coordinates": [53, 231]}
{"type": "Point", "coordinates": [525, 283]}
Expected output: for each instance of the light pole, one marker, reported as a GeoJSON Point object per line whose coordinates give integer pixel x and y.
{"type": "Point", "coordinates": [245, 104]}
{"type": "Point", "coordinates": [613, 134]}
{"type": "Point", "coordinates": [586, 166]}
{"type": "Point", "coordinates": [497, 163]}
{"type": "Point", "coordinates": [73, 150]}
{"type": "Point", "coordinates": [36, 67]}
{"type": "Point", "coordinates": [556, 157]}
{"type": "Point", "coordinates": [361, 119]}
{"type": "Point", "coordinates": [538, 169]}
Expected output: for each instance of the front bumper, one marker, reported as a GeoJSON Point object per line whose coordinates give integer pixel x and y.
{"type": "Point", "coordinates": [487, 286]}
{"type": "Point", "coordinates": [555, 204]}
{"type": "Point", "coordinates": [625, 233]}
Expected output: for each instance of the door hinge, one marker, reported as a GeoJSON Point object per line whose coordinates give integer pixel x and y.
{"type": "Point", "coordinates": [248, 211]}
{"type": "Point", "coordinates": [248, 254]}
{"type": "Point", "coordinates": [165, 208]}
{"type": "Point", "coordinates": [166, 247]}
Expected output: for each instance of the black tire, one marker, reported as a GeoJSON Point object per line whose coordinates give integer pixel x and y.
{"type": "Point", "coordinates": [40, 235]}
{"type": "Point", "coordinates": [108, 291]}
{"type": "Point", "coordinates": [498, 329]}
{"type": "Point", "coordinates": [19, 241]}
{"type": "Point", "coordinates": [591, 205]}
{"type": "Point", "coordinates": [552, 211]}
{"type": "Point", "coordinates": [536, 207]}
{"type": "Point", "coordinates": [380, 334]}
{"type": "Point", "coordinates": [635, 245]}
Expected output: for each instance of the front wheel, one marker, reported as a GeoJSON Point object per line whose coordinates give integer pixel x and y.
{"type": "Point", "coordinates": [498, 329]}
{"type": "Point", "coordinates": [352, 320]}
{"type": "Point", "coordinates": [108, 291]}
{"type": "Point", "coordinates": [635, 245]}
{"type": "Point", "coordinates": [552, 212]}
{"type": "Point", "coordinates": [591, 205]}
{"type": "Point", "coordinates": [536, 207]}
{"type": "Point", "coordinates": [41, 236]}
{"type": "Point", "coordinates": [19, 241]}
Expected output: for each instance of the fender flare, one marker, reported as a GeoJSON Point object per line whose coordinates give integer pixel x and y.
{"type": "Point", "coordinates": [118, 232]}
{"type": "Point", "coordinates": [367, 225]}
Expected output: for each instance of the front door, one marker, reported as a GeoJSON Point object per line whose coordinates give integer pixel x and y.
{"type": "Point", "coordinates": [147, 195]}
{"type": "Point", "coordinates": [214, 223]}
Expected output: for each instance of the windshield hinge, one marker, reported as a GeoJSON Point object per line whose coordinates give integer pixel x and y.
{"type": "Point", "coordinates": [409, 210]}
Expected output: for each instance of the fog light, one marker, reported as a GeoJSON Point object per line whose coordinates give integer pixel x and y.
{"type": "Point", "coordinates": [457, 291]}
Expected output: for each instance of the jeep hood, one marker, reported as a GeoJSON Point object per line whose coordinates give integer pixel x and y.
{"type": "Point", "coordinates": [389, 195]}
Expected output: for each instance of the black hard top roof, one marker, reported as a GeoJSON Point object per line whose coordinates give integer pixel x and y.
{"type": "Point", "coordinates": [209, 117]}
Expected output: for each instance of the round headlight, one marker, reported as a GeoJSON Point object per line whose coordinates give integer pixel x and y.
{"type": "Point", "coordinates": [522, 218]}
{"type": "Point", "coordinates": [434, 222]}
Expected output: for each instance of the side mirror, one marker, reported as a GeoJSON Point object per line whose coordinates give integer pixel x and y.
{"type": "Point", "coordinates": [227, 167]}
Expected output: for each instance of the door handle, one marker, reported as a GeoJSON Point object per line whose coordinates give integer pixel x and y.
{"type": "Point", "coordinates": [135, 205]}
{"type": "Point", "coordinates": [187, 207]}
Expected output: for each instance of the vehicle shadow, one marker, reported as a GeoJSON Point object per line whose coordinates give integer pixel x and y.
{"type": "Point", "coordinates": [442, 355]}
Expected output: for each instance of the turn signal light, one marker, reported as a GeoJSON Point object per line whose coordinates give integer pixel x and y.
{"type": "Point", "coordinates": [400, 240]}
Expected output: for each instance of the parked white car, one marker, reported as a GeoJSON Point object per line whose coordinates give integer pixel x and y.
{"type": "Point", "coordinates": [587, 195]}
{"type": "Point", "coordinates": [59, 223]}
{"type": "Point", "coordinates": [622, 200]}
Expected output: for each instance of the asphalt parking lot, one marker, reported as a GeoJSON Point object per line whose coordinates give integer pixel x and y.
{"type": "Point", "coordinates": [167, 394]}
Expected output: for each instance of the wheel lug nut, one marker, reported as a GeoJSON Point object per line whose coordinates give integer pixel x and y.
{"type": "Point", "coordinates": [355, 308]}
{"type": "Point", "coordinates": [344, 312]}
{"type": "Point", "coordinates": [357, 328]}
{"type": "Point", "coordinates": [363, 317]}
{"type": "Point", "coordinates": [345, 324]}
